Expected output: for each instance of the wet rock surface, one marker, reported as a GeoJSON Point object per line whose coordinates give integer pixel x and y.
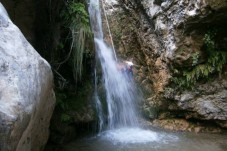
{"type": "Point", "coordinates": [207, 101]}
{"type": "Point", "coordinates": [161, 35]}
{"type": "Point", "coordinates": [184, 125]}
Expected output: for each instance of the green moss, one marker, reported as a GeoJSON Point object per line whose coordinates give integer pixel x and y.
{"type": "Point", "coordinates": [67, 102]}
{"type": "Point", "coordinates": [66, 118]}
{"type": "Point", "coordinates": [61, 100]}
{"type": "Point", "coordinates": [195, 58]}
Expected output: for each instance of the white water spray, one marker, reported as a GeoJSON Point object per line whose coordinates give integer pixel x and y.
{"type": "Point", "coordinates": [121, 96]}
{"type": "Point", "coordinates": [120, 91]}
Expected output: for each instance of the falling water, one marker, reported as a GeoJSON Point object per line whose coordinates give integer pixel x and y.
{"type": "Point", "coordinates": [121, 95]}
{"type": "Point", "coordinates": [98, 106]}
{"type": "Point", "coordinates": [120, 92]}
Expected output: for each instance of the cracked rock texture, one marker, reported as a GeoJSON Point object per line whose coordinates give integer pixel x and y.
{"type": "Point", "coordinates": [164, 34]}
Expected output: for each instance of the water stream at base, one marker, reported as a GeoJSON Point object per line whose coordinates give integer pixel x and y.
{"type": "Point", "coordinates": [161, 141]}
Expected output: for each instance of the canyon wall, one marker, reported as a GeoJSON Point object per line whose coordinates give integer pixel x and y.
{"type": "Point", "coordinates": [169, 42]}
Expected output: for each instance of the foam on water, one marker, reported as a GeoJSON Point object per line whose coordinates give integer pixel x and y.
{"type": "Point", "coordinates": [130, 135]}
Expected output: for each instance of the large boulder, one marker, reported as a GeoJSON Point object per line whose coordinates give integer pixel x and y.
{"type": "Point", "coordinates": [26, 91]}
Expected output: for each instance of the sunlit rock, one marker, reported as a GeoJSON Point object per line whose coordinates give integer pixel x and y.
{"type": "Point", "coordinates": [26, 91]}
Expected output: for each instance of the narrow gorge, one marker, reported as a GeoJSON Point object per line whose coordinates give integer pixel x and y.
{"type": "Point", "coordinates": [97, 75]}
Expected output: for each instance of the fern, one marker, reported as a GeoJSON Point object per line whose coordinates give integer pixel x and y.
{"type": "Point", "coordinates": [195, 58]}
{"type": "Point", "coordinates": [214, 64]}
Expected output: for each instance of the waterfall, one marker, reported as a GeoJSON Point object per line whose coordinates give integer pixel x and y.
{"type": "Point", "coordinates": [98, 106]}
{"type": "Point", "coordinates": [121, 95]}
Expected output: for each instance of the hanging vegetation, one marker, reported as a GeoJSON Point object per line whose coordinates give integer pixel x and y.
{"type": "Point", "coordinates": [76, 18]}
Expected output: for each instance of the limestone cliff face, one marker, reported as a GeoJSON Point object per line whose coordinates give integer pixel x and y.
{"type": "Point", "coordinates": [161, 35]}
{"type": "Point", "coordinates": [26, 91]}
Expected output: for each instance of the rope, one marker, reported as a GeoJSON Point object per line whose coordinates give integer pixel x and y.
{"type": "Point", "coordinates": [108, 27]}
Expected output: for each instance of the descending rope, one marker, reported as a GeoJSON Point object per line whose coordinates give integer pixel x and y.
{"type": "Point", "coordinates": [108, 27]}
